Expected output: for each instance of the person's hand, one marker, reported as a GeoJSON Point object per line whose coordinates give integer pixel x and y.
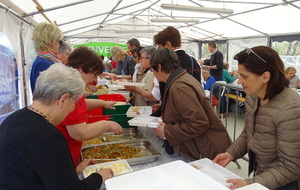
{"type": "Point", "coordinates": [201, 61]}
{"type": "Point", "coordinates": [237, 183]}
{"type": "Point", "coordinates": [109, 105]}
{"type": "Point", "coordinates": [132, 89]}
{"type": "Point", "coordinates": [80, 167]}
{"type": "Point", "coordinates": [106, 174]}
{"type": "Point", "coordinates": [223, 159]}
{"type": "Point", "coordinates": [115, 127]}
{"type": "Point", "coordinates": [92, 88]}
{"type": "Point", "coordinates": [297, 84]}
{"type": "Point", "coordinates": [160, 131]}
{"type": "Point", "coordinates": [155, 107]}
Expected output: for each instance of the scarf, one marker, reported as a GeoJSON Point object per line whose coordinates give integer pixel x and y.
{"type": "Point", "coordinates": [48, 55]}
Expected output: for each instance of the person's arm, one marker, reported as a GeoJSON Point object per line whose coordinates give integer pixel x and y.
{"type": "Point", "coordinates": [84, 131]}
{"type": "Point", "coordinates": [50, 158]}
{"type": "Point", "coordinates": [110, 75]}
{"type": "Point", "coordinates": [96, 103]}
{"type": "Point", "coordinates": [286, 165]}
{"type": "Point", "coordinates": [144, 93]}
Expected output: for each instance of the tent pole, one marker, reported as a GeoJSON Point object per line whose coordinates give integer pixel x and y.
{"type": "Point", "coordinates": [54, 8]}
{"type": "Point", "coordinates": [23, 66]}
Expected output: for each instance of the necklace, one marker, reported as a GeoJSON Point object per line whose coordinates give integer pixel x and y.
{"type": "Point", "coordinates": [39, 112]}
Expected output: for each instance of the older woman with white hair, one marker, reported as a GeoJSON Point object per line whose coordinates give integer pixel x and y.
{"type": "Point", "coordinates": [47, 38]}
{"type": "Point", "coordinates": [34, 154]}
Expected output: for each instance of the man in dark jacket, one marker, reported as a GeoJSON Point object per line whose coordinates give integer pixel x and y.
{"type": "Point", "coordinates": [215, 63]}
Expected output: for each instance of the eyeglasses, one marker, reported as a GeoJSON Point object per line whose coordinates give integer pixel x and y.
{"type": "Point", "coordinates": [249, 50]}
{"type": "Point", "coordinates": [78, 104]}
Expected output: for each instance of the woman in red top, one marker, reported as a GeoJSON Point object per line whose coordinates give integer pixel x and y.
{"type": "Point", "coordinates": [75, 127]}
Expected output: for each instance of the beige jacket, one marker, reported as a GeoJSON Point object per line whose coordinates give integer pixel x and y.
{"type": "Point", "coordinates": [148, 78]}
{"type": "Point", "coordinates": [272, 132]}
{"type": "Point", "coordinates": [192, 126]}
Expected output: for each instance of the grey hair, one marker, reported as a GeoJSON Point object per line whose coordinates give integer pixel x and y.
{"type": "Point", "coordinates": [56, 81]}
{"type": "Point", "coordinates": [149, 51]}
{"type": "Point", "coordinates": [64, 46]}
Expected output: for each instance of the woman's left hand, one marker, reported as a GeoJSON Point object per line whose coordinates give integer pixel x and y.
{"type": "Point", "coordinates": [237, 183]}
{"type": "Point", "coordinates": [109, 105]}
{"type": "Point", "coordinates": [160, 131]}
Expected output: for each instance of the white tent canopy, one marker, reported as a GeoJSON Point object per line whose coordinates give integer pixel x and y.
{"type": "Point", "coordinates": [252, 23]}
{"type": "Point", "coordinates": [120, 20]}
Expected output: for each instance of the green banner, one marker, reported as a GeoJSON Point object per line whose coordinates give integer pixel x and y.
{"type": "Point", "coordinates": [102, 48]}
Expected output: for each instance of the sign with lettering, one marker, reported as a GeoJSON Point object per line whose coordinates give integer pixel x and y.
{"type": "Point", "coordinates": [102, 48]}
{"type": "Point", "coordinates": [9, 93]}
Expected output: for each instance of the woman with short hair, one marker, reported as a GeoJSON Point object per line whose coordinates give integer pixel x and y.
{"type": "Point", "coordinates": [34, 154]}
{"type": "Point", "coordinates": [47, 38]}
{"type": "Point", "coordinates": [75, 127]}
{"type": "Point", "coordinates": [190, 124]}
{"type": "Point", "coordinates": [272, 123]}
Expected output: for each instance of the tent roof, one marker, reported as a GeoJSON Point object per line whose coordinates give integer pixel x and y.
{"type": "Point", "coordinates": [120, 20]}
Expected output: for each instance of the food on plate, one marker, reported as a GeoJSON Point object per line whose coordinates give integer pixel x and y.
{"type": "Point", "coordinates": [100, 90]}
{"type": "Point", "coordinates": [196, 167]}
{"type": "Point", "coordinates": [111, 151]}
{"type": "Point", "coordinates": [118, 167]}
{"type": "Point", "coordinates": [136, 109]}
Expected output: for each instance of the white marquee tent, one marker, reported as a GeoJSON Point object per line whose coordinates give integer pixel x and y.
{"type": "Point", "coordinates": [251, 22]}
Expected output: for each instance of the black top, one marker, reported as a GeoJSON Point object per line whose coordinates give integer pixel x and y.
{"type": "Point", "coordinates": [216, 59]}
{"type": "Point", "coordinates": [185, 62]}
{"type": "Point", "coordinates": [35, 155]}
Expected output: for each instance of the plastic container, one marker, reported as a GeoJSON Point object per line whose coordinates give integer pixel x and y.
{"type": "Point", "coordinates": [112, 97]}
{"type": "Point", "coordinates": [215, 171]}
{"type": "Point", "coordinates": [108, 97]}
{"type": "Point", "coordinates": [120, 109]}
{"type": "Point", "coordinates": [139, 110]}
{"type": "Point", "coordinates": [145, 121]}
{"type": "Point", "coordinates": [175, 175]}
{"type": "Point", "coordinates": [119, 167]}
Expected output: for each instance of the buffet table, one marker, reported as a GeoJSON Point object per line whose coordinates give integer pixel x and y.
{"type": "Point", "coordinates": [157, 143]}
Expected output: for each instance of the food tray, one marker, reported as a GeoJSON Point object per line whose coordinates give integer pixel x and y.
{"type": "Point", "coordinates": [175, 175]}
{"type": "Point", "coordinates": [139, 110]}
{"type": "Point", "coordinates": [128, 134]}
{"type": "Point", "coordinates": [214, 171]}
{"type": "Point", "coordinates": [119, 167]}
{"type": "Point", "coordinates": [147, 151]}
{"type": "Point", "coordinates": [145, 121]}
